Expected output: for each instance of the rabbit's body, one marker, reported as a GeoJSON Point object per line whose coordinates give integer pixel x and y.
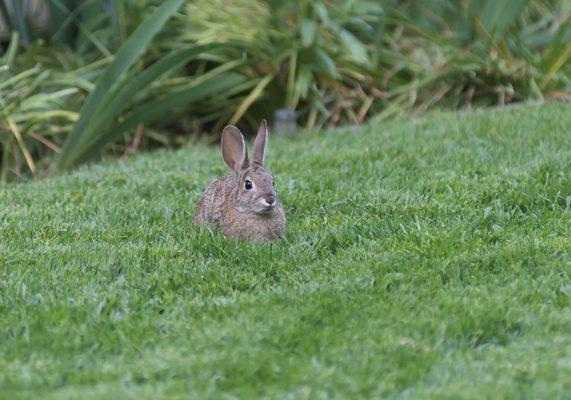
{"type": "Point", "coordinates": [244, 202]}
{"type": "Point", "coordinates": [211, 204]}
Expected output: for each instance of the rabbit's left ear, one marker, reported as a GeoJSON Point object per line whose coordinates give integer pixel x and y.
{"type": "Point", "coordinates": [234, 148]}
{"type": "Point", "coordinates": [260, 144]}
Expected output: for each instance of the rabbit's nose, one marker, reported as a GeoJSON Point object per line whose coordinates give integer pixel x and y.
{"type": "Point", "coordinates": [271, 200]}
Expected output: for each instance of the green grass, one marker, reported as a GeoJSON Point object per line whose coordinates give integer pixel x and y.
{"type": "Point", "coordinates": [425, 258]}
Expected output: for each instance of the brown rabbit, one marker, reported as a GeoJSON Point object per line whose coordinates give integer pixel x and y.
{"type": "Point", "coordinates": [244, 203]}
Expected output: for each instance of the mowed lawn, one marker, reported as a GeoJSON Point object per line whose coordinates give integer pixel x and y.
{"type": "Point", "coordinates": [424, 258]}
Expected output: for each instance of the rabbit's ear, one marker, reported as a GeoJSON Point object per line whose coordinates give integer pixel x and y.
{"type": "Point", "coordinates": [233, 148]}
{"type": "Point", "coordinates": [260, 144]}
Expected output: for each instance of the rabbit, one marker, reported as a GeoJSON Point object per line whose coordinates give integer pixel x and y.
{"type": "Point", "coordinates": [244, 203]}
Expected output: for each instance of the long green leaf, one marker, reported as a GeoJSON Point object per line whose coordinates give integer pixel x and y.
{"type": "Point", "coordinates": [327, 63]}
{"type": "Point", "coordinates": [254, 94]}
{"type": "Point", "coordinates": [354, 47]}
{"type": "Point", "coordinates": [21, 144]}
{"type": "Point", "coordinates": [558, 53]}
{"type": "Point", "coordinates": [307, 31]}
{"type": "Point", "coordinates": [10, 56]}
{"type": "Point", "coordinates": [120, 99]}
{"type": "Point", "coordinates": [129, 51]}
{"type": "Point", "coordinates": [5, 16]}
{"type": "Point", "coordinates": [21, 21]}
{"type": "Point", "coordinates": [498, 15]}
{"type": "Point", "coordinates": [73, 17]}
{"type": "Point", "coordinates": [20, 77]}
{"type": "Point", "coordinates": [156, 109]}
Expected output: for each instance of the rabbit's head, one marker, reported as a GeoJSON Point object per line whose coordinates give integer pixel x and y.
{"type": "Point", "coordinates": [254, 192]}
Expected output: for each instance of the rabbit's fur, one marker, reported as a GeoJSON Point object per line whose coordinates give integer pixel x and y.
{"type": "Point", "coordinates": [244, 202]}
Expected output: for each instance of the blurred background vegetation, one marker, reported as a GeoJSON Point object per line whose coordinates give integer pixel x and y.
{"type": "Point", "coordinates": [79, 79]}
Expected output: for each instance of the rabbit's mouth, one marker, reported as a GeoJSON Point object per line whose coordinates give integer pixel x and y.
{"type": "Point", "coordinates": [258, 209]}
{"type": "Point", "coordinates": [266, 210]}
{"type": "Point", "coordinates": [265, 206]}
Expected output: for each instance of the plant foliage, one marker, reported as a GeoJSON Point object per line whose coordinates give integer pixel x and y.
{"type": "Point", "coordinates": [82, 78]}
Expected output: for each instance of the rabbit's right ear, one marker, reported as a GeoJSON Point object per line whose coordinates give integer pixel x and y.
{"type": "Point", "coordinates": [234, 148]}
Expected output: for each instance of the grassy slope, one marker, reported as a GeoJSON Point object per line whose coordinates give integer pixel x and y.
{"type": "Point", "coordinates": [427, 258]}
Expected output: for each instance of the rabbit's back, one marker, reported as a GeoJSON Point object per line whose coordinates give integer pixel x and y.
{"type": "Point", "coordinates": [211, 205]}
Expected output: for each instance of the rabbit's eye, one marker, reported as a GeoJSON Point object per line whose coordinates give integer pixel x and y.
{"type": "Point", "coordinates": [249, 185]}
{"type": "Point", "coordinates": [273, 183]}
